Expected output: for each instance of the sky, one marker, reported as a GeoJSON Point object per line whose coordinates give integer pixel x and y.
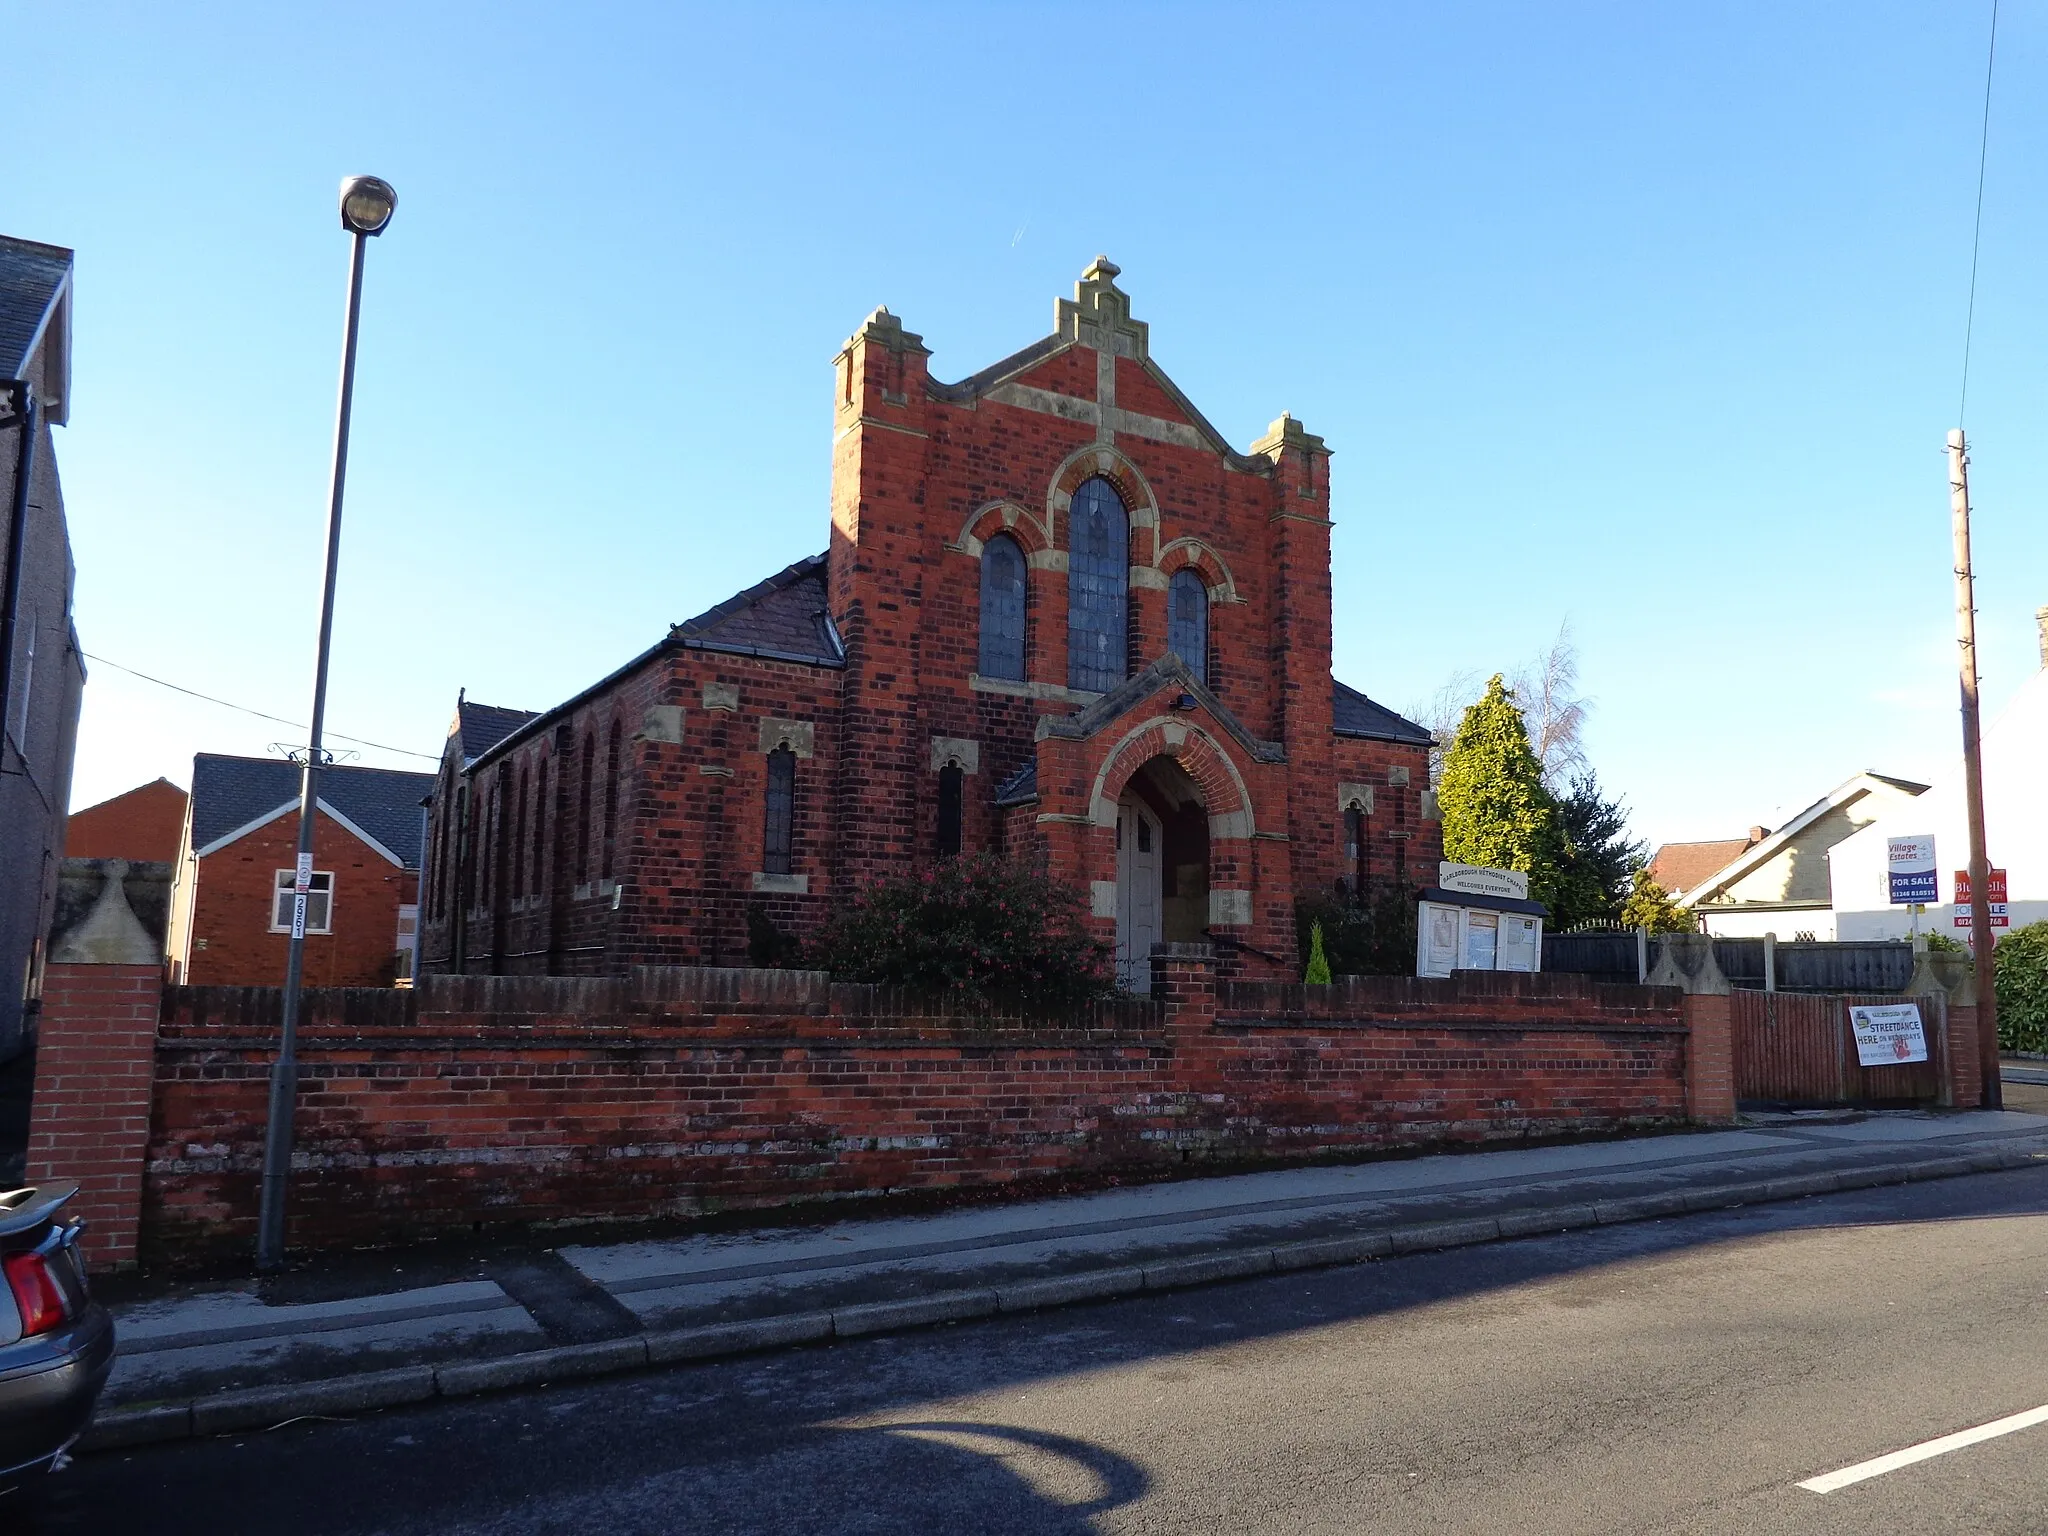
{"type": "Point", "coordinates": [1645, 319]}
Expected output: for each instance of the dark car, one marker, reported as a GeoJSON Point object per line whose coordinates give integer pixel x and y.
{"type": "Point", "coordinates": [56, 1342]}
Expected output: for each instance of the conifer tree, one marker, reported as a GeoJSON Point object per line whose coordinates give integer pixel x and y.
{"type": "Point", "coordinates": [1495, 809]}
{"type": "Point", "coordinates": [1650, 906]}
{"type": "Point", "coordinates": [1318, 972]}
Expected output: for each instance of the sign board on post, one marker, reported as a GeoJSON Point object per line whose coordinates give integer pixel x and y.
{"type": "Point", "coordinates": [1480, 880]}
{"type": "Point", "coordinates": [1910, 875]}
{"type": "Point", "coordinates": [1995, 887]}
{"type": "Point", "coordinates": [1888, 1034]}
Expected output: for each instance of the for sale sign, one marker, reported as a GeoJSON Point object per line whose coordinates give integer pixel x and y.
{"type": "Point", "coordinates": [1910, 874]}
{"type": "Point", "coordinates": [1888, 1034]}
{"type": "Point", "coordinates": [1994, 884]}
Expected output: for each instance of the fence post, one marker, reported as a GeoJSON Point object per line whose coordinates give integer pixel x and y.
{"type": "Point", "coordinates": [1642, 954]}
{"type": "Point", "coordinates": [1686, 961]}
{"type": "Point", "coordinates": [1770, 962]}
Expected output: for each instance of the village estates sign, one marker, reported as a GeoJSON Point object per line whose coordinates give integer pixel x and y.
{"type": "Point", "coordinates": [1478, 880]}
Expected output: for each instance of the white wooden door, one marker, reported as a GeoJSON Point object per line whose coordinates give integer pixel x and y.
{"type": "Point", "coordinates": [1138, 888]}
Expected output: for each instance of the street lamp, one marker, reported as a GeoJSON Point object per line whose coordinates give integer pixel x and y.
{"type": "Point", "coordinates": [366, 207]}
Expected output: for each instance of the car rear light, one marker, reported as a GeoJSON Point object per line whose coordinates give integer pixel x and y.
{"type": "Point", "coordinates": [36, 1292]}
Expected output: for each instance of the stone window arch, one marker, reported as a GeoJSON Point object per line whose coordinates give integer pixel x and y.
{"type": "Point", "coordinates": [1002, 609]}
{"type": "Point", "coordinates": [1187, 620]}
{"type": "Point", "coordinates": [1098, 587]}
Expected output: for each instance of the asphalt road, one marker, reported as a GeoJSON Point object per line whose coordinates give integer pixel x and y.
{"type": "Point", "coordinates": [1673, 1376]}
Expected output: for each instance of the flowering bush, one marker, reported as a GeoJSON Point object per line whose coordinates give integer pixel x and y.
{"type": "Point", "coordinates": [977, 927]}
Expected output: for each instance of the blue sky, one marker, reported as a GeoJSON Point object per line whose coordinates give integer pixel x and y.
{"type": "Point", "coordinates": [1644, 317]}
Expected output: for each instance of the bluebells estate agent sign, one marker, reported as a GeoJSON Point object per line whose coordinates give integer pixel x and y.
{"type": "Point", "coordinates": [1888, 1035]}
{"type": "Point", "coordinates": [1910, 875]}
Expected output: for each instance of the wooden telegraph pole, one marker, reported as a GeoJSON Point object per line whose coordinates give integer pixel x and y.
{"type": "Point", "coordinates": [1973, 773]}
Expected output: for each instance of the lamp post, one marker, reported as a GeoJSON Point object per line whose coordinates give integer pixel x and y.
{"type": "Point", "coordinates": [366, 208]}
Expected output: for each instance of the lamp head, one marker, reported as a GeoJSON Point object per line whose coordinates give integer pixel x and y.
{"type": "Point", "coordinates": [366, 204]}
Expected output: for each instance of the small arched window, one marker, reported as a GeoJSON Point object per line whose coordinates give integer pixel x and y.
{"type": "Point", "coordinates": [1002, 609]}
{"type": "Point", "coordinates": [1187, 620]}
{"type": "Point", "coordinates": [781, 821]}
{"type": "Point", "coordinates": [1098, 581]}
{"type": "Point", "coordinates": [952, 796]}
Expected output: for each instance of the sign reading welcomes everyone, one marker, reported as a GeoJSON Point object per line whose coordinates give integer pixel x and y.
{"type": "Point", "coordinates": [1910, 874]}
{"type": "Point", "coordinates": [1478, 880]}
{"type": "Point", "coordinates": [1888, 1034]}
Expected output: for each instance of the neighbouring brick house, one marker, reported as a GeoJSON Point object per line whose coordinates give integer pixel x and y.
{"type": "Point", "coordinates": [1060, 617]}
{"type": "Point", "coordinates": [144, 823]}
{"type": "Point", "coordinates": [230, 922]}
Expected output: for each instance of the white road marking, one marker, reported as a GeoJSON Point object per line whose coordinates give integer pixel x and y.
{"type": "Point", "coordinates": [1877, 1466]}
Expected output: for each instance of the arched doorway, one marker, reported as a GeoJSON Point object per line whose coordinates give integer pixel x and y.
{"type": "Point", "coordinates": [1162, 867]}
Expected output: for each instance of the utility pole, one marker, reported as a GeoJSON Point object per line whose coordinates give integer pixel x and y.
{"type": "Point", "coordinates": [1973, 773]}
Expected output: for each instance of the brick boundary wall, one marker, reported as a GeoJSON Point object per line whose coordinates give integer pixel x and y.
{"type": "Point", "coordinates": [478, 1101]}
{"type": "Point", "coordinates": [90, 1119]}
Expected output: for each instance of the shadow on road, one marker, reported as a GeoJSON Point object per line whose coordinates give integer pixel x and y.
{"type": "Point", "coordinates": [841, 1438]}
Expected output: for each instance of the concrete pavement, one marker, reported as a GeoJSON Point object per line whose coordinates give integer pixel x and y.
{"type": "Point", "coordinates": [391, 1328]}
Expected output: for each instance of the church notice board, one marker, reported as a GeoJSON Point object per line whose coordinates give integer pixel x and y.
{"type": "Point", "coordinates": [1478, 919]}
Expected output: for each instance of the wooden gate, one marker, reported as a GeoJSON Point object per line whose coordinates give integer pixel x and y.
{"type": "Point", "coordinates": [1797, 1048]}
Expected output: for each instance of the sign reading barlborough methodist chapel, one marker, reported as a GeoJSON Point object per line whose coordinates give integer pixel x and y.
{"type": "Point", "coordinates": [1479, 880]}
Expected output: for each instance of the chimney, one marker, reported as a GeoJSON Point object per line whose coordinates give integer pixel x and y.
{"type": "Point", "coordinates": [2041, 624]}
{"type": "Point", "coordinates": [1757, 835]}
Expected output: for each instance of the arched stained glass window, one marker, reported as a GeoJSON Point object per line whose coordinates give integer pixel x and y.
{"type": "Point", "coordinates": [1098, 578]}
{"type": "Point", "coordinates": [1187, 620]}
{"type": "Point", "coordinates": [1002, 609]}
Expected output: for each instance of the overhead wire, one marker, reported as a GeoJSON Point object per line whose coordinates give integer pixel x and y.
{"type": "Point", "coordinates": [259, 714]}
{"type": "Point", "coordinates": [1977, 231]}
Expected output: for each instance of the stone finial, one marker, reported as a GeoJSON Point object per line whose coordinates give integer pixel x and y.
{"type": "Point", "coordinates": [1101, 269]}
{"type": "Point", "coordinates": [1099, 314]}
{"type": "Point", "coordinates": [1287, 433]}
{"type": "Point", "coordinates": [886, 330]}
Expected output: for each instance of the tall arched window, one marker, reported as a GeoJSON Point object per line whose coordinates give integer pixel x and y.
{"type": "Point", "coordinates": [1002, 608]}
{"type": "Point", "coordinates": [1098, 578]}
{"type": "Point", "coordinates": [589, 755]}
{"type": "Point", "coordinates": [781, 821]}
{"type": "Point", "coordinates": [952, 797]}
{"type": "Point", "coordinates": [611, 803]}
{"type": "Point", "coordinates": [1187, 620]}
{"type": "Point", "coordinates": [518, 861]}
{"type": "Point", "coordinates": [540, 825]}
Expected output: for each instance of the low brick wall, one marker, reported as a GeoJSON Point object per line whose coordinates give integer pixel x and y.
{"type": "Point", "coordinates": [476, 1100]}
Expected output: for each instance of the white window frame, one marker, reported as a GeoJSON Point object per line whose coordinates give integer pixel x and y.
{"type": "Point", "coordinates": [281, 891]}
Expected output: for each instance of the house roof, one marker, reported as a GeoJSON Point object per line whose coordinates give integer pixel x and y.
{"type": "Point", "coordinates": [483, 726]}
{"type": "Point", "coordinates": [783, 618]}
{"type": "Point", "coordinates": [234, 794]}
{"type": "Point", "coordinates": [1755, 851]}
{"type": "Point", "coordinates": [1353, 714]}
{"type": "Point", "coordinates": [35, 308]}
{"type": "Point", "coordinates": [1678, 867]}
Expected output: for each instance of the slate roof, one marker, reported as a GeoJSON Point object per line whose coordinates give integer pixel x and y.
{"type": "Point", "coordinates": [483, 726]}
{"type": "Point", "coordinates": [783, 617]}
{"type": "Point", "coordinates": [230, 792]}
{"type": "Point", "coordinates": [1353, 714]}
{"type": "Point", "coordinates": [32, 277]}
{"type": "Point", "coordinates": [1021, 787]}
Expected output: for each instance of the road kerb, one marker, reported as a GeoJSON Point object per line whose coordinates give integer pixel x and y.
{"type": "Point", "coordinates": [147, 1423]}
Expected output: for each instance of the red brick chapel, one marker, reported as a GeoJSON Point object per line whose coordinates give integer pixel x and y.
{"type": "Point", "coordinates": [1060, 617]}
